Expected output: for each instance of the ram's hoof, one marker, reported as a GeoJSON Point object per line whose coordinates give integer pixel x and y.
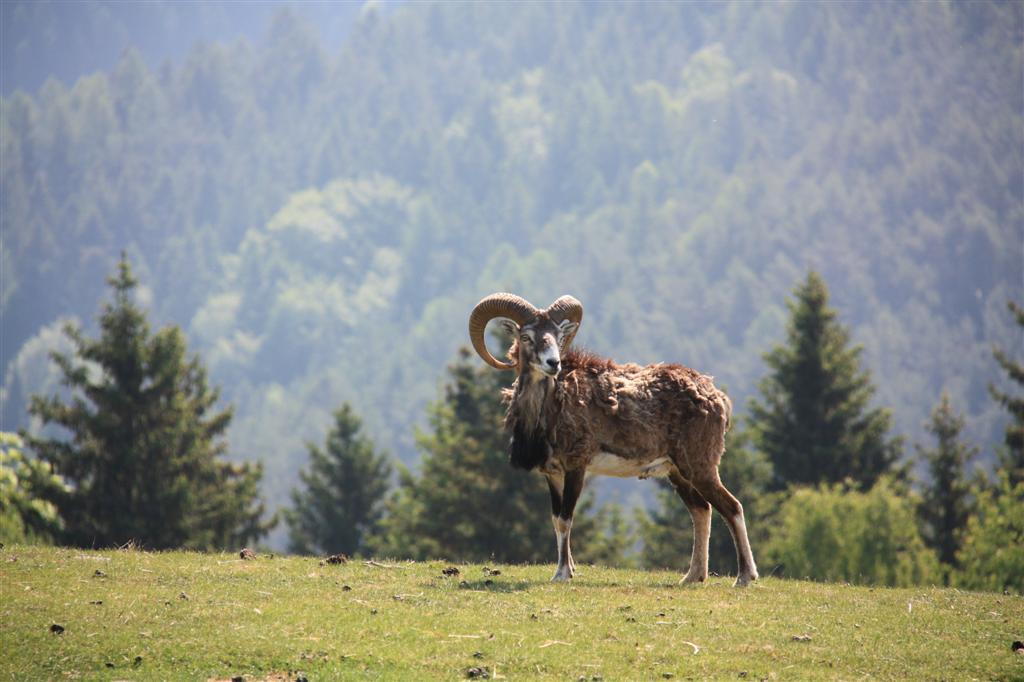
{"type": "Point", "coordinates": [744, 580]}
{"type": "Point", "coordinates": [562, 575]}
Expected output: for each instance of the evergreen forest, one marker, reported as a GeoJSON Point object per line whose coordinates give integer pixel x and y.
{"type": "Point", "coordinates": [317, 199]}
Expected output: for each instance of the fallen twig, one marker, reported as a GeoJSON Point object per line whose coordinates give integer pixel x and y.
{"type": "Point", "coordinates": [553, 641]}
{"type": "Point", "coordinates": [696, 649]}
{"type": "Point", "coordinates": [377, 564]}
{"type": "Point", "coordinates": [401, 597]}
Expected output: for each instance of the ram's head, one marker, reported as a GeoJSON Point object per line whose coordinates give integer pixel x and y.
{"type": "Point", "coordinates": [541, 336]}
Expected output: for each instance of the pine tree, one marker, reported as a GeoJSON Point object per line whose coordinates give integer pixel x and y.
{"type": "Point", "coordinates": [813, 419]}
{"type": "Point", "coordinates": [468, 503]}
{"type": "Point", "coordinates": [610, 542]}
{"type": "Point", "coordinates": [1011, 458]}
{"type": "Point", "coordinates": [666, 531]}
{"type": "Point", "coordinates": [143, 461]}
{"type": "Point", "coordinates": [343, 491]}
{"type": "Point", "coordinates": [946, 502]}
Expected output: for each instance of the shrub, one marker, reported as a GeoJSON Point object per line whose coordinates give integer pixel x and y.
{"type": "Point", "coordinates": [836, 533]}
{"type": "Point", "coordinates": [992, 555]}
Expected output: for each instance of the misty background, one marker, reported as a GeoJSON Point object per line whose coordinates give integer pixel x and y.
{"type": "Point", "coordinates": [318, 193]}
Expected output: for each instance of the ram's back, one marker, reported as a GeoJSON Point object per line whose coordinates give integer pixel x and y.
{"type": "Point", "coordinates": [637, 412]}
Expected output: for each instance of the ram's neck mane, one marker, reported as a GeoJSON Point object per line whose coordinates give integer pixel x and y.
{"type": "Point", "coordinates": [528, 446]}
{"type": "Point", "coordinates": [528, 397]}
{"type": "Point", "coordinates": [528, 407]}
{"type": "Point", "coordinates": [583, 360]}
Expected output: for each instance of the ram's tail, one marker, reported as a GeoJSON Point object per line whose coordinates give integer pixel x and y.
{"type": "Point", "coordinates": [728, 411]}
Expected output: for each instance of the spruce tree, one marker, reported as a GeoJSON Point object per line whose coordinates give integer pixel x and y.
{"type": "Point", "coordinates": [468, 503]}
{"type": "Point", "coordinates": [610, 542]}
{"type": "Point", "coordinates": [1011, 458]}
{"type": "Point", "coordinates": [343, 491]}
{"type": "Point", "coordinates": [946, 502]}
{"type": "Point", "coordinates": [666, 531]}
{"type": "Point", "coordinates": [143, 460]}
{"type": "Point", "coordinates": [813, 419]}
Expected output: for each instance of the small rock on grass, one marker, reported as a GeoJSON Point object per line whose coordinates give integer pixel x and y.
{"type": "Point", "coordinates": [99, 574]}
{"type": "Point", "coordinates": [1017, 647]}
{"type": "Point", "coordinates": [337, 559]}
{"type": "Point", "coordinates": [247, 554]}
{"type": "Point", "coordinates": [450, 571]}
{"type": "Point", "coordinates": [478, 673]}
{"type": "Point", "coordinates": [801, 638]}
{"type": "Point", "coordinates": [57, 629]}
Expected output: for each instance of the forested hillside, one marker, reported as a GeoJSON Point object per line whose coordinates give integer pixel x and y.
{"type": "Point", "coordinates": [64, 40]}
{"type": "Point", "coordinates": [320, 218]}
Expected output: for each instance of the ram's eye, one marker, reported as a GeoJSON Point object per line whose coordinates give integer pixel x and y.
{"type": "Point", "coordinates": [525, 338]}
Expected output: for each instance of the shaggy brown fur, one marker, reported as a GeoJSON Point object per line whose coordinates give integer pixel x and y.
{"type": "Point", "coordinates": [646, 420]}
{"type": "Point", "coordinates": [637, 412]}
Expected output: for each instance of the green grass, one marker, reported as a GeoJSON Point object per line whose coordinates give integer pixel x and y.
{"type": "Point", "coordinates": [200, 616]}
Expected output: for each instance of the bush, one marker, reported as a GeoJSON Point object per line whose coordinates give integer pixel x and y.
{"type": "Point", "coordinates": [992, 555]}
{"type": "Point", "coordinates": [25, 518]}
{"type": "Point", "coordinates": [836, 533]}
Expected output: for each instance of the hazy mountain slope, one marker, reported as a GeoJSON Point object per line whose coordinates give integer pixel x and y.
{"type": "Point", "coordinates": [321, 220]}
{"type": "Point", "coordinates": [45, 39]}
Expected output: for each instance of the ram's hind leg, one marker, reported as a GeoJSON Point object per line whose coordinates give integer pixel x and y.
{"type": "Point", "coordinates": [729, 507]}
{"type": "Point", "coordinates": [565, 491]}
{"type": "Point", "coordinates": [700, 512]}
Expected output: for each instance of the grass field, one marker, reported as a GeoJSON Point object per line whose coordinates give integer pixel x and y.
{"type": "Point", "coordinates": [154, 616]}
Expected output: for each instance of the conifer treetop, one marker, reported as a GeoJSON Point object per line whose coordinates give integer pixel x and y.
{"type": "Point", "coordinates": [813, 417]}
{"type": "Point", "coordinates": [143, 458]}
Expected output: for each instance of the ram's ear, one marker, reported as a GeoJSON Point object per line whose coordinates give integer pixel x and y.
{"type": "Point", "coordinates": [566, 328]}
{"type": "Point", "coordinates": [510, 328]}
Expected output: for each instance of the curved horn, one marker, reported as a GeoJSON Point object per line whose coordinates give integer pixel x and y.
{"type": "Point", "coordinates": [566, 308]}
{"type": "Point", "coordinates": [510, 306]}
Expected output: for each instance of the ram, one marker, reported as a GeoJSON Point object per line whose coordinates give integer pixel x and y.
{"type": "Point", "coordinates": [571, 413]}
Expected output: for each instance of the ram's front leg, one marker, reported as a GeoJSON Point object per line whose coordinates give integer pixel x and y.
{"type": "Point", "coordinates": [565, 491]}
